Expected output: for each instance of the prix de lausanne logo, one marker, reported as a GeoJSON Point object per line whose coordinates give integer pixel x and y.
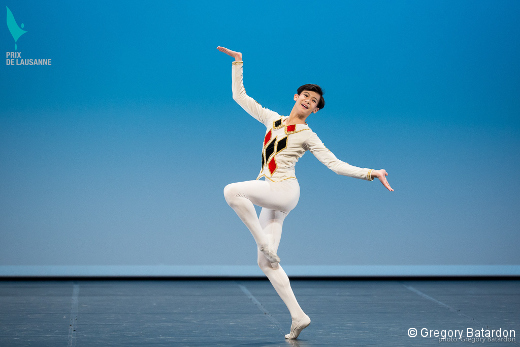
{"type": "Point", "coordinates": [15, 58]}
{"type": "Point", "coordinates": [15, 30]}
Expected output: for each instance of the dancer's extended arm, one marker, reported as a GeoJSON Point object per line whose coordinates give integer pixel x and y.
{"type": "Point", "coordinates": [340, 167]}
{"type": "Point", "coordinates": [252, 107]}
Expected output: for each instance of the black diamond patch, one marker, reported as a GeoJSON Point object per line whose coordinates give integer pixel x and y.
{"type": "Point", "coordinates": [281, 145]}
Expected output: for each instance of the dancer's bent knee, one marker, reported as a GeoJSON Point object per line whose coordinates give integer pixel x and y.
{"type": "Point", "coordinates": [232, 194]}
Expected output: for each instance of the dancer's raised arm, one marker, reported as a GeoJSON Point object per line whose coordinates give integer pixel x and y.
{"type": "Point", "coordinates": [250, 105]}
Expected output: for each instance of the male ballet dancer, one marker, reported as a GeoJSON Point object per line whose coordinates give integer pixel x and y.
{"type": "Point", "coordinates": [287, 139]}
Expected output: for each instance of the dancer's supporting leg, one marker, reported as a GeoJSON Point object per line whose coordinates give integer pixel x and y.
{"type": "Point", "coordinates": [277, 200]}
{"type": "Point", "coordinates": [272, 222]}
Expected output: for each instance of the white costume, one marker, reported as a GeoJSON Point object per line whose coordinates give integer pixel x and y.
{"type": "Point", "coordinates": [278, 194]}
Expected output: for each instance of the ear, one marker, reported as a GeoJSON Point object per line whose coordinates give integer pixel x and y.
{"type": "Point", "coordinates": [296, 97]}
{"type": "Point", "coordinates": [315, 110]}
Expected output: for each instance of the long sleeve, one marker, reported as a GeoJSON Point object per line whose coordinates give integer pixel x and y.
{"type": "Point", "coordinates": [252, 107]}
{"type": "Point", "coordinates": [323, 154]}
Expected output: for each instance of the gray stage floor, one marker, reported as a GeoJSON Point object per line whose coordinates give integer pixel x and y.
{"type": "Point", "coordinates": [250, 313]}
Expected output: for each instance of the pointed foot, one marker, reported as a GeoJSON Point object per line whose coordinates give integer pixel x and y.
{"type": "Point", "coordinates": [297, 327]}
{"type": "Point", "coordinates": [270, 255]}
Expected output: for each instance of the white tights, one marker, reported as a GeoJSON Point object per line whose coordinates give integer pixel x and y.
{"type": "Point", "coordinates": [277, 199]}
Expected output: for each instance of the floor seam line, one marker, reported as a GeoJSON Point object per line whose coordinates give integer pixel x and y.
{"type": "Point", "coordinates": [73, 315]}
{"type": "Point", "coordinates": [261, 307]}
{"type": "Point", "coordinates": [451, 309]}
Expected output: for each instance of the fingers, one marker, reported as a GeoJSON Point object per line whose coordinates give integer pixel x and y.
{"type": "Point", "coordinates": [223, 49]}
{"type": "Point", "coordinates": [383, 179]}
{"type": "Point", "coordinates": [226, 50]}
{"type": "Point", "coordinates": [236, 55]}
{"type": "Point", "coordinates": [387, 185]}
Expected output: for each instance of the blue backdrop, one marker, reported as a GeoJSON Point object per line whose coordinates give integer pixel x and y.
{"type": "Point", "coordinates": [117, 153]}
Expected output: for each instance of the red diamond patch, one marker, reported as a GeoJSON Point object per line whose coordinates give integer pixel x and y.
{"type": "Point", "coordinates": [267, 137]}
{"type": "Point", "coordinates": [272, 165]}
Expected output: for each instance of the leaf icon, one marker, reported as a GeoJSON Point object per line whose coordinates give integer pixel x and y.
{"type": "Point", "coordinates": [15, 30]}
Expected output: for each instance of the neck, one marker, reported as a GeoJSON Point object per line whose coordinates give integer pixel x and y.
{"type": "Point", "coordinates": [296, 117]}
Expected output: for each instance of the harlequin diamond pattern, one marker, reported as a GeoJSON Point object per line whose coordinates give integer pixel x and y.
{"type": "Point", "coordinates": [271, 148]}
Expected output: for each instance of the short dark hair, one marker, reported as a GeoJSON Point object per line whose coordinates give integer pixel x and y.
{"type": "Point", "coordinates": [313, 88]}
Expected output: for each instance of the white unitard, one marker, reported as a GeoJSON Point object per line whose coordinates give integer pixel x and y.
{"type": "Point", "coordinates": [279, 192]}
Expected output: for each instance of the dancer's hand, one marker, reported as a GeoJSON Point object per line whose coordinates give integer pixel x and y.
{"type": "Point", "coordinates": [236, 55]}
{"type": "Point", "coordinates": [381, 175]}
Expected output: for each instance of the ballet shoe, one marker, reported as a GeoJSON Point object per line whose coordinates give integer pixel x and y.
{"type": "Point", "coordinates": [270, 255]}
{"type": "Point", "coordinates": [298, 326]}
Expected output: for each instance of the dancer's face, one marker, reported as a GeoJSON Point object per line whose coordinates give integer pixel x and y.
{"type": "Point", "coordinates": [307, 102]}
